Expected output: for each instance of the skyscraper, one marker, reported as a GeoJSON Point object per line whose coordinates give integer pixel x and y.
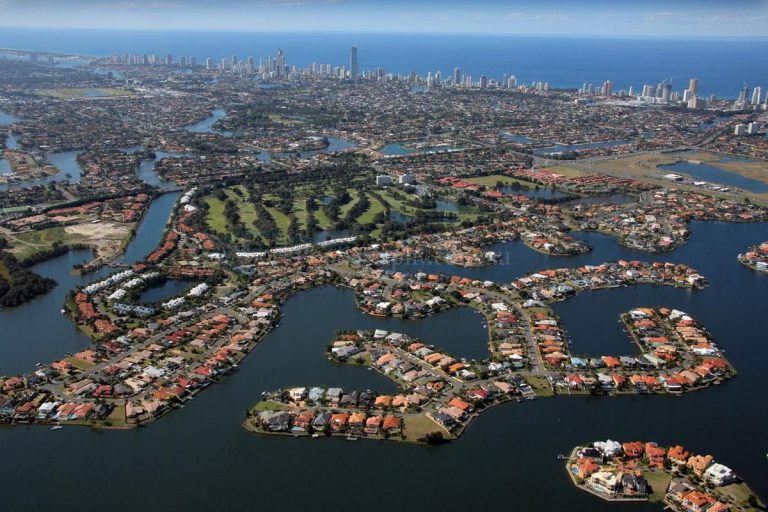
{"type": "Point", "coordinates": [456, 76]}
{"type": "Point", "coordinates": [666, 91]}
{"type": "Point", "coordinates": [354, 68]}
{"type": "Point", "coordinates": [756, 94]}
{"type": "Point", "coordinates": [693, 86]}
{"type": "Point", "coordinates": [280, 63]}
{"type": "Point", "coordinates": [743, 95]}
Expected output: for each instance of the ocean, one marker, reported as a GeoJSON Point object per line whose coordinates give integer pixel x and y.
{"type": "Point", "coordinates": [723, 67]}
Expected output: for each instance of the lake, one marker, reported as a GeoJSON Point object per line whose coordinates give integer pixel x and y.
{"type": "Point", "coordinates": [714, 174]}
{"type": "Point", "coordinates": [204, 443]}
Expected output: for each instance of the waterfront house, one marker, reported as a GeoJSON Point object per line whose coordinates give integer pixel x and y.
{"type": "Point", "coordinates": [392, 425]}
{"type": "Point", "coordinates": [320, 423]}
{"type": "Point", "coordinates": [276, 421]}
{"type": "Point", "coordinates": [585, 467]}
{"type": "Point", "coordinates": [677, 455]}
{"type": "Point", "coordinates": [373, 424]}
{"type": "Point", "coordinates": [357, 421]}
{"type": "Point", "coordinates": [334, 395]}
{"type": "Point", "coordinates": [655, 454]}
{"type": "Point", "coordinates": [633, 450]}
{"type": "Point", "coordinates": [697, 501]}
{"type": "Point", "coordinates": [718, 474]}
{"type": "Point", "coordinates": [609, 448]}
{"type": "Point", "coordinates": [303, 421]}
{"type": "Point", "coordinates": [605, 482]}
{"type": "Point", "coordinates": [339, 421]}
{"type": "Point", "coordinates": [699, 463]}
{"type": "Point", "coordinates": [634, 485]}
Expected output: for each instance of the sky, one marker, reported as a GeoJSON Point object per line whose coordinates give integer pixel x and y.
{"type": "Point", "coordinates": [648, 18]}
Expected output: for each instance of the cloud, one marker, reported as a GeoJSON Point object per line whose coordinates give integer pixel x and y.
{"type": "Point", "coordinates": [553, 16]}
{"type": "Point", "coordinates": [514, 16]}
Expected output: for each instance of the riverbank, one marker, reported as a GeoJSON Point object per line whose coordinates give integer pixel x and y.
{"type": "Point", "coordinates": [756, 258]}
{"type": "Point", "coordinates": [637, 471]}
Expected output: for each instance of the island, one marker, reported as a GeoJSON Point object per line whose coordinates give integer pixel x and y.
{"type": "Point", "coordinates": [646, 471]}
{"type": "Point", "coordinates": [756, 258]}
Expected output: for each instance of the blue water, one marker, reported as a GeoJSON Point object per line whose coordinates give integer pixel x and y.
{"type": "Point", "coordinates": [12, 141]}
{"type": "Point", "coordinates": [66, 162]}
{"type": "Point", "coordinates": [722, 66]}
{"type": "Point", "coordinates": [206, 125]}
{"type": "Point", "coordinates": [556, 148]}
{"type": "Point", "coordinates": [542, 193]}
{"type": "Point", "coordinates": [6, 119]}
{"type": "Point", "coordinates": [335, 144]}
{"type": "Point", "coordinates": [165, 290]}
{"type": "Point", "coordinates": [398, 148]}
{"type": "Point", "coordinates": [712, 174]}
{"type": "Point", "coordinates": [521, 139]}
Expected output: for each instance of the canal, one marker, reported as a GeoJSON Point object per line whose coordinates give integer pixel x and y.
{"type": "Point", "coordinates": [506, 459]}
{"type": "Point", "coordinates": [25, 340]}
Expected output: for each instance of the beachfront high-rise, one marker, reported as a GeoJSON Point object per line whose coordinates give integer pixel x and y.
{"type": "Point", "coordinates": [693, 86]}
{"type": "Point", "coordinates": [354, 68]}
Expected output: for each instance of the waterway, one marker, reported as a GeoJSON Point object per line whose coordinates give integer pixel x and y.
{"type": "Point", "coordinates": [714, 174]}
{"type": "Point", "coordinates": [66, 162]}
{"type": "Point", "coordinates": [165, 290]}
{"type": "Point", "coordinates": [146, 171]}
{"type": "Point", "coordinates": [206, 125]}
{"type": "Point", "coordinates": [560, 148]}
{"type": "Point", "coordinates": [6, 119]}
{"type": "Point", "coordinates": [399, 148]}
{"type": "Point", "coordinates": [508, 455]}
{"type": "Point", "coordinates": [25, 340]}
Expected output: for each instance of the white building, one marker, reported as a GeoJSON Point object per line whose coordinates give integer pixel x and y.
{"type": "Point", "coordinates": [383, 180]}
{"type": "Point", "coordinates": [406, 179]}
{"type": "Point", "coordinates": [739, 130]}
{"type": "Point", "coordinates": [717, 474]}
{"type": "Point", "coordinates": [609, 448]}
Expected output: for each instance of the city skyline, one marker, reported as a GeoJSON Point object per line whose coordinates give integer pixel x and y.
{"type": "Point", "coordinates": [676, 18]}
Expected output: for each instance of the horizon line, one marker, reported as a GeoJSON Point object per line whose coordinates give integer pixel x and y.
{"type": "Point", "coordinates": [407, 32]}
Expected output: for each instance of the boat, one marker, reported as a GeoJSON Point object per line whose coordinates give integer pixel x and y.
{"type": "Point", "coordinates": [560, 456]}
{"type": "Point", "coordinates": [315, 435]}
{"type": "Point", "coordinates": [351, 438]}
{"type": "Point", "coordinates": [56, 427]}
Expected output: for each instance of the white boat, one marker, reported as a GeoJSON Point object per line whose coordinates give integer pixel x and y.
{"type": "Point", "coordinates": [56, 427]}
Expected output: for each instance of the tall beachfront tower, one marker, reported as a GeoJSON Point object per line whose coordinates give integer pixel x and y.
{"type": "Point", "coordinates": [693, 86]}
{"type": "Point", "coordinates": [354, 68]}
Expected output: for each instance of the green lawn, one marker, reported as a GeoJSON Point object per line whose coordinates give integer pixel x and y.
{"type": "Point", "coordinates": [300, 209]}
{"type": "Point", "coordinates": [344, 209]}
{"type": "Point", "coordinates": [322, 219]}
{"type": "Point", "coordinates": [31, 243]}
{"type": "Point", "coordinates": [215, 217]}
{"type": "Point", "coordinates": [659, 481]}
{"type": "Point", "coordinates": [66, 93]}
{"type": "Point", "coordinates": [418, 426]}
{"type": "Point", "coordinates": [374, 209]}
{"type": "Point", "coordinates": [281, 220]}
{"type": "Point", "coordinates": [268, 405]}
{"type": "Point", "coordinates": [490, 181]}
